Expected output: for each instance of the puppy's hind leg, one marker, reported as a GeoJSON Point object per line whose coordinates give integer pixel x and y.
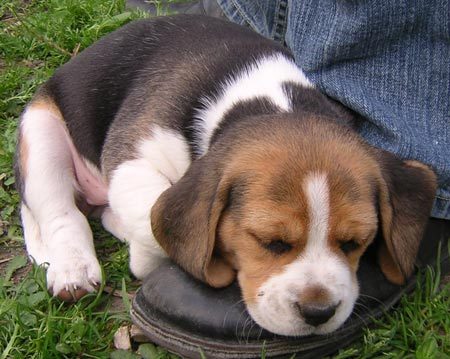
{"type": "Point", "coordinates": [55, 230]}
{"type": "Point", "coordinates": [32, 234]}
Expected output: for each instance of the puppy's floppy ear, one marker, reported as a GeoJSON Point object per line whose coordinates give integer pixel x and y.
{"type": "Point", "coordinates": [185, 219]}
{"type": "Point", "coordinates": [406, 194]}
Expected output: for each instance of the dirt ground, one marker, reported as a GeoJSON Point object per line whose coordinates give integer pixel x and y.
{"type": "Point", "coordinates": [9, 252]}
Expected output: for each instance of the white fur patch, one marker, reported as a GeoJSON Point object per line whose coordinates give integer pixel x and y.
{"type": "Point", "coordinates": [134, 188]}
{"type": "Point", "coordinates": [32, 234]}
{"type": "Point", "coordinates": [316, 190]}
{"type": "Point", "coordinates": [55, 230]}
{"type": "Point", "coordinates": [275, 308]}
{"type": "Point", "coordinates": [264, 78]}
{"type": "Point", "coordinates": [166, 151]}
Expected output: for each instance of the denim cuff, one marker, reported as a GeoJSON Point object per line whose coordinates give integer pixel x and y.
{"type": "Point", "coordinates": [441, 206]}
{"type": "Point", "coordinates": [267, 17]}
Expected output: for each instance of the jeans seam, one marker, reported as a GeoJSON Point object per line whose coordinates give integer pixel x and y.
{"type": "Point", "coordinates": [280, 21]}
{"type": "Point", "coordinates": [244, 16]}
{"type": "Point", "coordinates": [443, 198]}
{"type": "Point", "coordinates": [328, 40]}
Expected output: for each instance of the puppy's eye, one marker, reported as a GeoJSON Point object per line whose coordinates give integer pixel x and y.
{"type": "Point", "coordinates": [348, 246]}
{"type": "Point", "coordinates": [278, 246]}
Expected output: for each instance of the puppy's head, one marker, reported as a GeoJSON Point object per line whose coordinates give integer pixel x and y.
{"type": "Point", "coordinates": [290, 206]}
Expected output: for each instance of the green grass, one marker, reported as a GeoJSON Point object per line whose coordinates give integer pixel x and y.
{"type": "Point", "coordinates": [418, 328]}
{"type": "Point", "coordinates": [35, 38]}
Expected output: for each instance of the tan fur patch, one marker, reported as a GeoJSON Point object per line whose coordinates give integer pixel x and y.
{"type": "Point", "coordinates": [390, 268]}
{"type": "Point", "coordinates": [262, 219]}
{"type": "Point", "coordinates": [243, 245]}
{"type": "Point", "coordinates": [43, 102]}
{"type": "Point", "coordinates": [353, 215]}
{"type": "Point", "coordinates": [275, 207]}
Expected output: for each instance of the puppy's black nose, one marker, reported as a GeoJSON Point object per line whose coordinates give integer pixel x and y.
{"type": "Point", "coordinates": [316, 314]}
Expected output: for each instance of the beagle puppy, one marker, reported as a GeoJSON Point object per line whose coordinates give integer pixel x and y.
{"type": "Point", "coordinates": [201, 141]}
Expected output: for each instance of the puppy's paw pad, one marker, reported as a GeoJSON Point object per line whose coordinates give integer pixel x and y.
{"type": "Point", "coordinates": [72, 278]}
{"type": "Point", "coordinates": [72, 295]}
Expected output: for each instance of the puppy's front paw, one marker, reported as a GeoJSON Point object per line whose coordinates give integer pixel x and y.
{"type": "Point", "coordinates": [144, 258]}
{"type": "Point", "coordinates": [70, 278]}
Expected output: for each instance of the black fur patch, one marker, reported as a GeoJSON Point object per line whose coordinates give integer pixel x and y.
{"type": "Point", "coordinates": [149, 72]}
{"type": "Point", "coordinates": [258, 106]}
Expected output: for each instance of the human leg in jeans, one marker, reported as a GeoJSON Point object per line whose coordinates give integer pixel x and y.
{"type": "Point", "coordinates": [388, 61]}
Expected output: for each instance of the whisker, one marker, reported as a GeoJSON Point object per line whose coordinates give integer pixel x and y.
{"type": "Point", "coordinates": [360, 305]}
{"type": "Point", "coordinates": [232, 306]}
{"type": "Point", "coordinates": [260, 332]}
{"type": "Point", "coordinates": [236, 330]}
{"type": "Point", "coordinates": [372, 298]}
{"type": "Point", "coordinates": [244, 327]}
{"type": "Point", "coordinates": [250, 330]}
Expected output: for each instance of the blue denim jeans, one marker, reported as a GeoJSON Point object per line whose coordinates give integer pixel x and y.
{"type": "Point", "coordinates": [387, 60]}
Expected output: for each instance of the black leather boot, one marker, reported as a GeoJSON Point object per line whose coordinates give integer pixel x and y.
{"type": "Point", "coordinates": [189, 318]}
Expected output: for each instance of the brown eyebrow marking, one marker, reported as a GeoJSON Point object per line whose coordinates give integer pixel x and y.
{"type": "Point", "coordinates": [278, 190]}
{"type": "Point", "coordinates": [344, 182]}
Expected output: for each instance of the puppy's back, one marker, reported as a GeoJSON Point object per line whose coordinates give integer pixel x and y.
{"type": "Point", "coordinates": [162, 66]}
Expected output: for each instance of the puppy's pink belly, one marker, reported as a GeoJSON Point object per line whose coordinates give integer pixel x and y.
{"type": "Point", "coordinates": [91, 184]}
